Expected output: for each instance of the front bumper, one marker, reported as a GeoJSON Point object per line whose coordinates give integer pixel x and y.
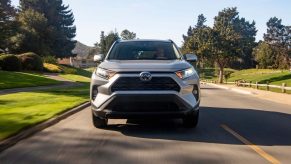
{"type": "Point", "coordinates": [140, 104]}
{"type": "Point", "coordinates": [144, 105]}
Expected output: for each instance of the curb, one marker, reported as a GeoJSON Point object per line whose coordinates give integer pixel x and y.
{"type": "Point", "coordinates": [233, 89]}
{"type": "Point", "coordinates": [39, 127]}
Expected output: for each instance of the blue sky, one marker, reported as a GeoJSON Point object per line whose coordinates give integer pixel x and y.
{"type": "Point", "coordinates": [165, 19]}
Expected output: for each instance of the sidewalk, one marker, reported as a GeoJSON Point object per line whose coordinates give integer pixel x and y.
{"type": "Point", "coordinates": [267, 95]}
{"type": "Point", "coordinates": [65, 83]}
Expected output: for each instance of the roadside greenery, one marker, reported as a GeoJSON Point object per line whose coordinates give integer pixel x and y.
{"type": "Point", "coordinates": [106, 41]}
{"type": "Point", "coordinates": [43, 27]}
{"type": "Point", "coordinates": [65, 69]}
{"type": "Point", "coordinates": [22, 110]}
{"type": "Point", "coordinates": [230, 43]}
{"type": "Point", "coordinates": [76, 78]}
{"type": "Point", "coordinates": [262, 76]}
{"type": "Point", "coordinates": [20, 79]}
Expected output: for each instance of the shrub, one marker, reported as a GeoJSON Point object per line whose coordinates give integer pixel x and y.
{"type": "Point", "coordinates": [10, 63]}
{"type": "Point", "coordinates": [50, 60]}
{"type": "Point", "coordinates": [31, 61]}
{"type": "Point", "coordinates": [52, 68]}
{"type": "Point", "coordinates": [68, 69]}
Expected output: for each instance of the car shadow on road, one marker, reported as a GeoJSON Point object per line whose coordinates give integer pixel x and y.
{"type": "Point", "coordinates": [260, 127]}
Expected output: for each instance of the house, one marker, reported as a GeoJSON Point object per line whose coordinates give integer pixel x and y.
{"type": "Point", "coordinates": [84, 56]}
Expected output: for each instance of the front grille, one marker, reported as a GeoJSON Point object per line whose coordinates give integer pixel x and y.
{"type": "Point", "coordinates": [135, 84]}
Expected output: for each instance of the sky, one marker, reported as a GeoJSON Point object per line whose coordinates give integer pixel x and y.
{"type": "Point", "coordinates": [165, 19]}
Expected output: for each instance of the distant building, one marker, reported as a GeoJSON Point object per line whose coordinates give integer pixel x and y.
{"type": "Point", "coordinates": [84, 56]}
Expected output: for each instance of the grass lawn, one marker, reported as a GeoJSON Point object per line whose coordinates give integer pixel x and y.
{"type": "Point", "coordinates": [275, 77]}
{"type": "Point", "coordinates": [76, 78]}
{"type": "Point", "coordinates": [91, 69]}
{"type": "Point", "coordinates": [212, 73]}
{"type": "Point", "coordinates": [20, 79]}
{"type": "Point", "coordinates": [22, 110]}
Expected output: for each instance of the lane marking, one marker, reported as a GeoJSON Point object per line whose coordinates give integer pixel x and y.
{"type": "Point", "coordinates": [257, 149]}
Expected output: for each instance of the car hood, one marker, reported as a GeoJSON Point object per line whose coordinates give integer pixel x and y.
{"type": "Point", "coordinates": [145, 65]}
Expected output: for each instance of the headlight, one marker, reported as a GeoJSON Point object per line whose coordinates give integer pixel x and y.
{"type": "Point", "coordinates": [106, 74]}
{"type": "Point", "coordinates": [185, 73]}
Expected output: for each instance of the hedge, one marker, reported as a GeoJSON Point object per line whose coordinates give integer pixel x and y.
{"type": "Point", "coordinates": [10, 63]}
{"type": "Point", "coordinates": [31, 61]}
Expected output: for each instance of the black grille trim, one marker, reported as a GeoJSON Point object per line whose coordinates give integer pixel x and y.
{"type": "Point", "coordinates": [135, 84]}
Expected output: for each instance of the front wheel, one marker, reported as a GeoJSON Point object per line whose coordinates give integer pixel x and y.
{"type": "Point", "coordinates": [191, 120]}
{"type": "Point", "coordinates": [99, 122]}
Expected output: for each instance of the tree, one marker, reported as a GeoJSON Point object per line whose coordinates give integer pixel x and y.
{"type": "Point", "coordinates": [232, 37]}
{"type": "Point", "coordinates": [127, 35]}
{"type": "Point", "coordinates": [7, 23]}
{"type": "Point", "coordinates": [198, 42]}
{"type": "Point", "coordinates": [265, 55]}
{"type": "Point", "coordinates": [110, 39]}
{"type": "Point", "coordinates": [189, 34]}
{"type": "Point", "coordinates": [106, 41]}
{"type": "Point", "coordinates": [247, 43]}
{"type": "Point", "coordinates": [60, 27]}
{"type": "Point", "coordinates": [275, 31]}
{"type": "Point", "coordinates": [102, 43]}
{"type": "Point", "coordinates": [31, 33]}
{"type": "Point", "coordinates": [279, 37]}
{"type": "Point", "coordinates": [191, 39]}
{"type": "Point", "coordinates": [200, 22]}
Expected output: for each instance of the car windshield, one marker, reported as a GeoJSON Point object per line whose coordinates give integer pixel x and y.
{"type": "Point", "coordinates": [144, 50]}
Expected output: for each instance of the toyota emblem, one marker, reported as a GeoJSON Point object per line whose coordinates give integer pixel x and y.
{"type": "Point", "coordinates": [145, 76]}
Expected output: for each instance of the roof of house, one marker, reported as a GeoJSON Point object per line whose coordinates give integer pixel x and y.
{"type": "Point", "coordinates": [82, 50]}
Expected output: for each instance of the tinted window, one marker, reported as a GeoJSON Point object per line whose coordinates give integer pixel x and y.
{"type": "Point", "coordinates": [143, 50]}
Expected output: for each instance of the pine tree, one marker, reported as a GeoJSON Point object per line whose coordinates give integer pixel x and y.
{"type": "Point", "coordinates": [279, 37]}
{"type": "Point", "coordinates": [127, 35]}
{"type": "Point", "coordinates": [31, 35]}
{"type": "Point", "coordinates": [102, 43]}
{"type": "Point", "coordinates": [60, 24]}
{"type": "Point", "coordinates": [275, 31]}
{"type": "Point", "coordinates": [200, 22]}
{"type": "Point", "coordinates": [106, 41]}
{"type": "Point", "coordinates": [7, 23]}
{"type": "Point", "coordinates": [110, 39]}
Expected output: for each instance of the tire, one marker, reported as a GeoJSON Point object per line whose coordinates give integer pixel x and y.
{"type": "Point", "coordinates": [191, 120]}
{"type": "Point", "coordinates": [99, 122]}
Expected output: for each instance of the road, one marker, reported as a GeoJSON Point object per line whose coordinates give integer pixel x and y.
{"type": "Point", "coordinates": [233, 128]}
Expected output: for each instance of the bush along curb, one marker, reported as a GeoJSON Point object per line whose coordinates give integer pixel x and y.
{"type": "Point", "coordinates": [39, 127]}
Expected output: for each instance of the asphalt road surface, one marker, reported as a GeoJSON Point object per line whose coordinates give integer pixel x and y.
{"type": "Point", "coordinates": [233, 128]}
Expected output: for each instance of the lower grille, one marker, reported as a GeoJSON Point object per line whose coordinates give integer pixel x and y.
{"type": "Point", "coordinates": [135, 84]}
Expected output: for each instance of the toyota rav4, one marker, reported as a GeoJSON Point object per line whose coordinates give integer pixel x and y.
{"type": "Point", "coordinates": [145, 79]}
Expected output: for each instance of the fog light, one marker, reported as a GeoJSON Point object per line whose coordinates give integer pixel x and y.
{"type": "Point", "coordinates": [196, 92]}
{"type": "Point", "coordinates": [94, 92]}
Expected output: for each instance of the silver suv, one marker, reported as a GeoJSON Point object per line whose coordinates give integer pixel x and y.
{"type": "Point", "coordinates": [145, 79]}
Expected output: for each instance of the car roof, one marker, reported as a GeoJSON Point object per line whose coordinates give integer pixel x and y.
{"type": "Point", "coordinates": [146, 40]}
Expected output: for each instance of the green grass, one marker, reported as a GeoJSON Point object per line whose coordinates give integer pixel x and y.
{"type": "Point", "coordinates": [275, 77]}
{"type": "Point", "coordinates": [78, 71]}
{"type": "Point", "coordinates": [90, 69]}
{"type": "Point", "coordinates": [22, 110]}
{"type": "Point", "coordinates": [76, 78]}
{"type": "Point", "coordinates": [212, 73]}
{"type": "Point", "coordinates": [79, 75]}
{"type": "Point", "coordinates": [10, 80]}
{"type": "Point", "coordinates": [262, 76]}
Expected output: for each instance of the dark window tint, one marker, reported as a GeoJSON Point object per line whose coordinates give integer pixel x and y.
{"type": "Point", "coordinates": [143, 50]}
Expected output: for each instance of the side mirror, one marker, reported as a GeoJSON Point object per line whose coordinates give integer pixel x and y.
{"type": "Point", "coordinates": [98, 58]}
{"type": "Point", "coordinates": [191, 57]}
